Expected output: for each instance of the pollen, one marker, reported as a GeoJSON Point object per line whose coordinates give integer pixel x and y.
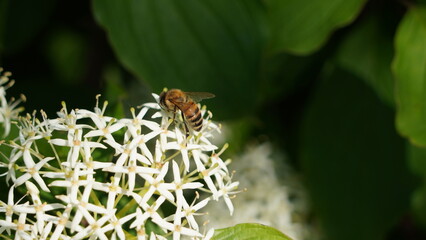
{"type": "Point", "coordinates": [77, 143]}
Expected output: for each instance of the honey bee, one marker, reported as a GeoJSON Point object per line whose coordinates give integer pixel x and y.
{"type": "Point", "coordinates": [175, 99]}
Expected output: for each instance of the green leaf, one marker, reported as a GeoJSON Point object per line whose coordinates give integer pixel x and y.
{"type": "Point", "coordinates": [249, 231]}
{"type": "Point", "coordinates": [353, 160]}
{"type": "Point", "coordinates": [303, 26]}
{"type": "Point", "coordinates": [367, 52]}
{"type": "Point", "coordinates": [417, 160]}
{"type": "Point", "coordinates": [409, 67]}
{"type": "Point", "coordinates": [211, 45]}
{"type": "Point", "coordinates": [419, 204]}
{"type": "Point", "coordinates": [283, 74]}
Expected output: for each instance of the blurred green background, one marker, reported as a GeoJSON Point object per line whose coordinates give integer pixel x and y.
{"type": "Point", "coordinates": [339, 85]}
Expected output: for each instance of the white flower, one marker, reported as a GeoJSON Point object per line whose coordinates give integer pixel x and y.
{"type": "Point", "coordinates": [8, 209]}
{"type": "Point", "coordinates": [9, 110]}
{"type": "Point", "coordinates": [225, 190]}
{"type": "Point", "coordinates": [128, 151]}
{"type": "Point", "coordinates": [90, 175]}
{"type": "Point", "coordinates": [71, 180]}
{"type": "Point", "coordinates": [61, 223]}
{"type": "Point", "coordinates": [105, 125]}
{"type": "Point", "coordinates": [131, 171]}
{"type": "Point", "coordinates": [116, 225]}
{"type": "Point", "coordinates": [155, 185]}
{"type": "Point", "coordinates": [22, 228]}
{"type": "Point", "coordinates": [94, 228]}
{"type": "Point", "coordinates": [33, 172]}
{"type": "Point", "coordinates": [177, 227]}
{"type": "Point", "coordinates": [75, 143]}
{"type": "Point", "coordinates": [268, 200]}
{"type": "Point", "coordinates": [39, 207]}
{"type": "Point", "coordinates": [178, 185]}
{"type": "Point", "coordinates": [190, 211]}
{"type": "Point", "coordinates": [150, 212]}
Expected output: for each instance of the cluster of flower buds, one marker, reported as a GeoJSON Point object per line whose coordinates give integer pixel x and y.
{"type": "Point", "coordinates": [9, 110]}
{"type": "Point", "coordinates": [87, 175]}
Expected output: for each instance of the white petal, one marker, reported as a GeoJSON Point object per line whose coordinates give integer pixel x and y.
{"type": "Point", "coordinates": [163, 172]}
{"type": "Point", "coordinates": [192, 185]}
{"type": "Point", "coordinates": [10, 200]}
{"type": "Point", "coordinates": [52, 206]}
{"type": "Point", "coordinates": [201, 204]}
{"type": "Point", "coordinates": [141, 158]}
{"type": "Point", "coordinates": [190, 232]}
{"type": "Point", "coordinates": [94, 133]}
{"type": "Point", "coordinates": [229, 204]}
{"type": "Point", "coordinates": [209, 234]}
{"type": "Point", "coordinates": [59, 142]}
{"type": "Point", "coordinates": [176, 172]}
{"type": "Point", "coordinates": [40, 182]}
{"type": "Point", "coordinates": [32, 188]}
{"type": "Point", "coordinates": [163, 191]}
{"type": "Point", "coordinates": [47, 230]}
{"type": "Point", "coordinates": [22, 179]}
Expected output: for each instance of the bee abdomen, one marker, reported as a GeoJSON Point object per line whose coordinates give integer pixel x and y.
{"type": "Point", "coordinates": [195, 119]}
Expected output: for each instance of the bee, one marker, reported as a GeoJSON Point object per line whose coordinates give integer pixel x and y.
{"type": "Point", "coordinates": [175, 99]}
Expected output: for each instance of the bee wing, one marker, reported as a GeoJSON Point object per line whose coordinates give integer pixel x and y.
{"type": "Point", "coordinates": [198, 96]}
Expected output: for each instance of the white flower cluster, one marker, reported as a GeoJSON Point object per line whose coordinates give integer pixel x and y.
{"type": "Point", "coordinates": [87, 175]}
{"type": "Point", "coordinates": [278, 201]}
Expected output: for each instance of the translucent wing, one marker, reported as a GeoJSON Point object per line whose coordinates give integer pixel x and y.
{"type": "Point", "coordinates": [198, 96]}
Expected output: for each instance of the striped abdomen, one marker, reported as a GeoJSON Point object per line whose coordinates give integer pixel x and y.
{"type": "Point", "coordinates": [192, 115]}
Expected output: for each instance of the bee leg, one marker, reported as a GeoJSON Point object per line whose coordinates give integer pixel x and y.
{"type": "Point", "coordinates": [186, 126]}
{"type": "Point", "coordinates": [174, 114]}
{"type": "Point", "coordinates": [186, 131]}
